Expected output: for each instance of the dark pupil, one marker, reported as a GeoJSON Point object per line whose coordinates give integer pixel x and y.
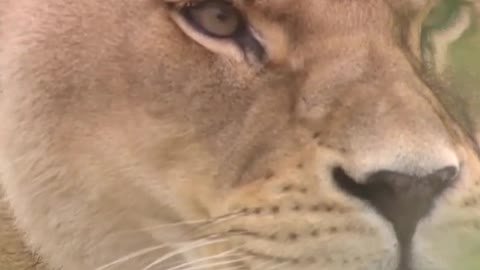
{"type": "Point", "coordinates": [223, 14]}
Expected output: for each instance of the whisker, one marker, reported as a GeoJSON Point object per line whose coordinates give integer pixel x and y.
{"type": "Point", "coordinates": [202, 222]}
{"type": "Point", "coordinates": [222, 255]}
{"type": "Point", "coordinates": [276, 266]}
{"type": "Point", "coordinates": [269, 265]}
{"type": "Point", "coordinates": [142, 252]}
{"type": "Point", "coordinates": [207, 266]}
{"type": "Point", "coordinates": [216, 221]}
{"type": "Point", "coordinates": [224, 218]}
{"type": "Point", "coordinates": [169, 255]}
{"type": "Point", "coordinates": [132, 256]}
{"type": "Point", "coordinates": [262, 265]}
{"type": "Point", "coordinates": [166, 225]}
{"type": "Point", "coordinates": [234, 268]}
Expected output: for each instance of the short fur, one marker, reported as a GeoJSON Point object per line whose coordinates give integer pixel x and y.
{"type": "Point", "coordinates": [115, 123]}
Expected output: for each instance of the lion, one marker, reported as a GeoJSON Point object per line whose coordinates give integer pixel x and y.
{"type": "Point", "coordinates": [242, 134]}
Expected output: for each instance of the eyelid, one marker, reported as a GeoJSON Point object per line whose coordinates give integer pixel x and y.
{"type": "Point", "coordinates": [243, 46]}
{"type": "Point", "coordinates": [225, 47]}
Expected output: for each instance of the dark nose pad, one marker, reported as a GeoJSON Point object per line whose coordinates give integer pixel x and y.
{"type": "Point", "coordinates": [402, 199]}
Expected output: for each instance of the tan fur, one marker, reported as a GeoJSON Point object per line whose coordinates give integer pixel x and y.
{"type": "Point", "coordinates": [14, 254]}
{"type": "Point", "coordinates": [115, 120]}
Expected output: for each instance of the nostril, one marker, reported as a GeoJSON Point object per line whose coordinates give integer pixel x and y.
{"type": "Point", "coordinates": [348, 184]}
{"type": "Point", "coordinates": [396, 187]}
{"type": "Point", "coordinates": [446, 174]}
{"type": "Point", "coordinates": [401, 198]}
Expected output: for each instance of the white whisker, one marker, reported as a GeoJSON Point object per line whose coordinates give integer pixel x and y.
{"type": "Point", "coordinates": [182, 250]}
{"type": "Point", "coordinates": [222, 255]}
{"type": "Point", "coordinates": [131, 256]}
{"type": "Point", "coordinates": [216, 221]}
{"type": "Point", "coordinates": [276, 266]}
{"type": "Point", "coordinates": [140, 253]}
{"type": "Point", "coordinates": [203, 223]}
{"type": "Point", "coordinates": [262, 265]}
{"type": "Point", "coordinates": [223, 219]}
{"type": "Point", "coordinates": [207, 266]}
{"type": "Point", "coordinates": [234, 267]}
{"type": "Point", "coordinates": [166, 225]}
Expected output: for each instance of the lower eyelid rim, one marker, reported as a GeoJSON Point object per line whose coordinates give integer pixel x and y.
{"type": "Point", "coordinates": [224, 46]}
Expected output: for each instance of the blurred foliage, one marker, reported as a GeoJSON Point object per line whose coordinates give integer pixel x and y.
{"type": "Point", "coordinates": [465, 59]}
{"type": "Point", "coordinates": [461, 248]}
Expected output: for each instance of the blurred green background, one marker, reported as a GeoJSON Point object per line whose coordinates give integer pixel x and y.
{"type": "Point", "coordinates": [465, 59]}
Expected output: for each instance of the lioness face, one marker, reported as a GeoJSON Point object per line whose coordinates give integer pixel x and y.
{"type": "Point", "coordinates": [286, 134]}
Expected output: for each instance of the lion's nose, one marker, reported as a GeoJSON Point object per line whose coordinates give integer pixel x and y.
{"type": "Point", "coordinates": [401, 198]}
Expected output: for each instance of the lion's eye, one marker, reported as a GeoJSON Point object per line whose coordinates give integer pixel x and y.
{"type": "Point", "coordinates": [220, 27]}
{"type": "Point", "coordinates": [216, 18]}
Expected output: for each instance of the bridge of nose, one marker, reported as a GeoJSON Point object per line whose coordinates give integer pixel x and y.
{"type": "Point", "coordinates": [393, 128]}
{"type": "Point", "coordinates": [383, 119]}
{"type": "Point", "coordinates": [383, 116]}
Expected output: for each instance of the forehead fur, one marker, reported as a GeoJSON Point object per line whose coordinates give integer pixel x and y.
{"type": "Point", "coordinates": [324, 16]}
{"type": "Point", "coordinates": [343, 14]}
{"type": "Point", "coordinates": [319, 5]}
